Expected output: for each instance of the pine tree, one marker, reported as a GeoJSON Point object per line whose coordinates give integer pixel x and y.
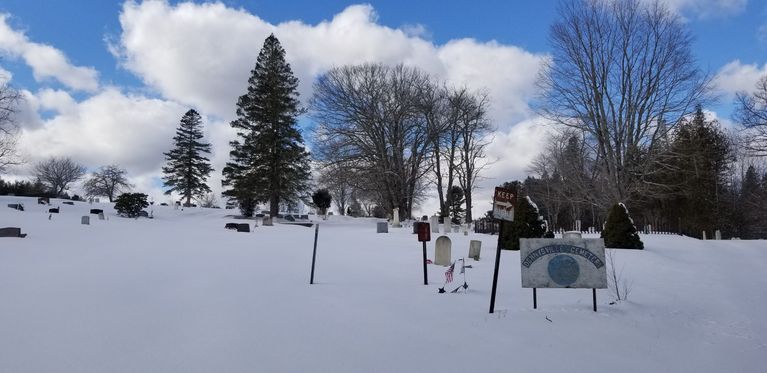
{"type": "Point", "coordinates": [268, 162]}
{"type": "Point", "coordinates": [457, 198]}
{"type": "Point", "coordinates": [620, 232]}
{"type": "Point", "coordinates": [187, 170]}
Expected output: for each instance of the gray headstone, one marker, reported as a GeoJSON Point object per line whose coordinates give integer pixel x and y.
{"type": "Point", "coordinates": [85, 220]}
{"type": "Point", "coordinates": [11, 232]}
{"type": "Point", "coordinates": [474, 248]}
{"type": "Point", "coordinates": [572, 235]}
{"type": "Point", "coordinates": [442, 251]}
{"type": "Point", "coordinates": [267, 221]}
{"type": "Point", "coordinates": [718, 235]}
{"type": "Point", "coordinates": [446, 225]}
{"type": "Point", "coordinates": [101, 216]}
{"type": "Point", "coordinates": [243, 227]}
{"type": "Point", "coordinates": [382, 227]}
{"type": "Point", "coordinates": [434, 223]}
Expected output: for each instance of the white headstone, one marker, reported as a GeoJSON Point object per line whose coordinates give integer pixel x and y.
{"type": "Point", "coordinates": [717, 235]}
{"type": "Point", "coordinates": [446, 225]}
{"type": "Point", "coordinates": [395, 218]}
{"type": "Point", "coordinates": [85, 220]}
{"type": "Point", "coordinates": [704, 235]}
{"type": "Point", "coordinates": [474, 248]}
{"type": "Point", "coordinates": [442, 251]}
{"type": "Point", "coordinates": [434, 223]}
{"type": "Point", "coordinates": [382, 227]}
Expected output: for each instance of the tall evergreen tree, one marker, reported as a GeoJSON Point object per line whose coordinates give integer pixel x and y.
{"type": "Point", "coordinates": [456, 198]}
{"type": "Point", "coordinates": [268, 162]}
{"type": "Point", "coordinates": [187, 169]}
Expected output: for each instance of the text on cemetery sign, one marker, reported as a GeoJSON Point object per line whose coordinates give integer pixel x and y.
{"type": "Point", "coordinates": [562, 249]}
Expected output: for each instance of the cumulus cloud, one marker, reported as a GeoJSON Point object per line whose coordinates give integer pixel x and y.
{"type": "Point", "coordinates": [737, 77]}
{"type": "Point", "coordinates": [202, 54]}
{"type": "Point", "coordinates": [45, 61]}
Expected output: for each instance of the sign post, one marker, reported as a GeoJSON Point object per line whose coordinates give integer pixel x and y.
{"type": "Point", "coordinates": [424, 235]}
{"type": "Point", "coordinates": [314, 253]}
{"type": "Point", "coordinates": [504, 201]}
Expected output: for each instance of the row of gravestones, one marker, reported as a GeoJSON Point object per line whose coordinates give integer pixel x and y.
{"type": "Point", "coordinates": [383, 227]}
{"type": "Point", "coordinates": [443, 247]}
{"type": "Point", "coordinates": [245, 227]}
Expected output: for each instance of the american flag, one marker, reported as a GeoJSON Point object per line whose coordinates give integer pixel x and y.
{"type": "Point", "coordinates": [449, 273]}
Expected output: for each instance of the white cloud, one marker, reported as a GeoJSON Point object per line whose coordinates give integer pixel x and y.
{"type": "Point", "coordinates": [46, 62]}
{"type": "Point", "coordinates": [737, 77]}
{"type": "Point", "coordinates": [707, 8]}
{"type": "Point", "coordinates": [202, 54]}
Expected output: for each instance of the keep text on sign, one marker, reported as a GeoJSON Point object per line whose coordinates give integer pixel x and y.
{"type": "Point", "coordinates": [504, 201]}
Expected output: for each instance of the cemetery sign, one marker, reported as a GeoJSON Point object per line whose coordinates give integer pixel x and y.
{"type": "Point", "coordinates": [563, 263]}
{"type": "Point", "coordinates": [503, 204]}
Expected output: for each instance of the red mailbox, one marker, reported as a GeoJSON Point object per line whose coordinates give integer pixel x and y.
{"type": "Point", "coordinates": [424, 232]}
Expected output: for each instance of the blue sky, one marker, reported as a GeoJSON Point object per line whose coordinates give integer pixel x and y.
{"type": "Point", "coordinates": [107, 81]}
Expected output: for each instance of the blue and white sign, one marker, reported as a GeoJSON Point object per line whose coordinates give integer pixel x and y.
{"type": "Point", "coordinates": [563, 263]}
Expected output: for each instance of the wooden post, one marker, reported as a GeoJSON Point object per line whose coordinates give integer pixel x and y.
{"type": "Point", "coordinates": [314, 253]}
{"type": "Point", "coordinates": [495, 272]}
{"type": "Point", "coordinates": [425, 273]}
{"type": "Point", "coordinates": [594, 296]}
{"type": "Point", "coordinates": [535, 299]}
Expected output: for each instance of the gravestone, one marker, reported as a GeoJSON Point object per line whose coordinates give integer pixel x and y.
{"type": "Point", "coordinates": [704, 235]}
{"type": "Point", "coordinates": [267, 221]}
{"type": "Point", "coordinates": [572, 235]}
{"type": "Point", "coordinates": [578, 225]}
{"type": "Point", "coordinates": [434, 223]}
{"type": "Point", "coordinates": [68, 203]}
{"type": "Point", "coordinates": [85, 220]}
{"type": "Point", "coordinates": [232, 226]}
{"type": "Point", "coordinates": [474, 248]}
{"type": "Point", "coordinates": [101, 216]}
{"type": "Point", "coordinates": [395, 219]}
{"type": "Point", "coordinates": [382, 227]}
{"type": "Point", "coordinates": [718, 235]}
{"type": "Point", "coordinates": [16, 206]}
{"type": "Point", "coordinates": [442, 251]}
{"type": "Point", "coordinates": [53, 210]}
{"type": "Point", "coordinates": [243, 227]}
{"type": "Point", "coordinates": [456, 229]}
{"type": "Point", "coordinates": [446, 225]}
{"type": "Point", "coordinates": [465, 228]}
{"type": "Point", "coordinates": [12, 232]}
{"type": "Point", "coordinates": [96, 211]}
{"type": "Point", "coordinates": [43, 201]}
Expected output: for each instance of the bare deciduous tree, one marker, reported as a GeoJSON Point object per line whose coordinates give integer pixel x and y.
{"type": "Point", "coordinates": [107, 181]}
{"type": "Point", "coordinates": [619, 70]}
{"type": "Point", "coordinates": [9, 99]}
{"type": "Point", "coordinates": [369, 121]}
{"type": "Point", "coordinates": [58, 173]}
{"type": "Point", "coordinates": [751, 112]}
{"type": "Point", "coordinates": [474, 129]}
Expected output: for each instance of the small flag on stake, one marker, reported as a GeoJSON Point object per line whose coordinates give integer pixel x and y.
{"type": "Point", "coordinates": [449, 273]}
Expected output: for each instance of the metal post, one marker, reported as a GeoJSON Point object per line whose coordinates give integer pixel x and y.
{"type": "Point", "coordinates": [535, 299]}
{"type": "Point", "coordinates": [314, 253]}
{"type": "Point", "coordinates": [425, 273]}
{"type": "Point", "coordinates": [495, 272]}
{"type": "Point", "coordinates": [594, 295]}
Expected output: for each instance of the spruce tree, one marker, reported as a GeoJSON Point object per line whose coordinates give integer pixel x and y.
{"type": "Point", "coordinates": [620, 232]}
{"type": "Point", "coordinates": [527, 220]}
{"type": "Point", "coordinates": [187, 169]}
{"type": "Point", "coordinates": [268, 162]}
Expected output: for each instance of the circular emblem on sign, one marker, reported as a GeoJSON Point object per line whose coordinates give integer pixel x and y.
{"type": "Point", "coordinates": [564, 270]}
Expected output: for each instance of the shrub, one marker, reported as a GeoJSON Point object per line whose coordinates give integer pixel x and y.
{"type": "Point", "coordinates": [620, 232]}
{"type": "Point", "coordinates": [527, 224]}
{"type": "Point", "coordinates": [131, 204]}
{"type": "Point", "coordinates": [321, 198]}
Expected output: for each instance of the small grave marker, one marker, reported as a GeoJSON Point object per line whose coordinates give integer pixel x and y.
{"type": "Point", "coordinates": [382, 227]}
{"type": "Point", "coordinates": [85, 220]}
{"type": "Point", "coordinates": [442, 251]}
{"type": "Point", "coordinates": [474, 248]}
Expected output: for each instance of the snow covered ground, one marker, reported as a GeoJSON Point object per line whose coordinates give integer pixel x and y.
{"type": "Point", "coordinates": [179, 293]}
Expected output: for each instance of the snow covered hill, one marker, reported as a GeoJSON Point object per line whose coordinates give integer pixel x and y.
{"type": "Point", "coordinates": [179, 293]}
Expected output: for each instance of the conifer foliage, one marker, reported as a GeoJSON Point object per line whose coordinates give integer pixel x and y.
{"type": "Point", "coordinates": [187, 170]}
{"type": "Point", "coordinates": [268, 162]}
{"type": "Point", "coordinates": [527, 220]}
{"type": "Point", "coordinates": [620, 232]}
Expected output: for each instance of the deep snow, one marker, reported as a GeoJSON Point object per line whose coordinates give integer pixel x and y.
{"type": "Point", "coordinates": [179, 293]}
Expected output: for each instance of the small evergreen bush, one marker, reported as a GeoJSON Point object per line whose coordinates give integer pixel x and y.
{"type": "Point", "coordinates": [620, 232]}
{"type": "Point", "coordinates": [131, 204]}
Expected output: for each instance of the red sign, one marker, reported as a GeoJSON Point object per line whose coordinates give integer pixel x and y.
{"type": "Point", "coordinates": [504, 202]}
{"type": "Point", "coordinates": [424, 232]}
